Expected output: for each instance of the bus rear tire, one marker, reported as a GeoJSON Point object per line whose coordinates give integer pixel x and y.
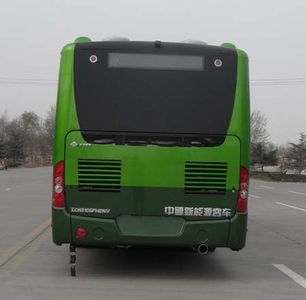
{"type": "Point", "coordinates": [236, 249]}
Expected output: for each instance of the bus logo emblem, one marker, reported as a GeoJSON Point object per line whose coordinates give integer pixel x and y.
{"type": "Point", "coordinates": [74, 144]}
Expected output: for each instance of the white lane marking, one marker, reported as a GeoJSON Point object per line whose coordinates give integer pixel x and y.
{"type": "Point", "coordinates": [254, 196]}
{"type": "Point", "coordinates": [291, 206]}
{"type": "Point", "coordinates": [294, 276]}
{"type": "Point", "coordinates": [298, 193]}
{"type": "Point", "coordinates": [267, 187]}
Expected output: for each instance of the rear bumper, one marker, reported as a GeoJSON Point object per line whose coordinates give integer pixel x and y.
{"type": "Point", "coordinates": [110, 232]}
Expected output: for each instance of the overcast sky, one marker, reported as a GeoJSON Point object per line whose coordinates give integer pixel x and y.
{"type": "Point", "coordinates": [273, 33]}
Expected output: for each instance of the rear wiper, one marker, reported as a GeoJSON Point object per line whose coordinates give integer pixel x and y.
{"type": "Point", "coordinates": [196, 143]}
{"type": "Point", "coordinates": [137, 142]}
{"type": "Point", "coordinates": [104, 141]}
{"type": "Point", "coordinates": [165, 143]}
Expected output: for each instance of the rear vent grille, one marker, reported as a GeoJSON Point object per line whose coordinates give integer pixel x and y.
{"type": "Point", "coordinates": [205, 177]}
{"type": "Point", "coordinates": [99, 175]}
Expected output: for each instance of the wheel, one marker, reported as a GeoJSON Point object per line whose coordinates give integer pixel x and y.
{"type": "Point", "coordinates": [236, 249]}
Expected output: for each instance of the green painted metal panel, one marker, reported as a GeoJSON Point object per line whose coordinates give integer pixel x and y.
{"type": "Point", "coordinates": [61, 232]}
{"type": "Point", "coordinates": [240, 123]}
{"type": "Point", "coordinates": [151, 177]}
{"type": "Point", "coordinates": [105, 232]}
{"type": "Point", "coordinates": [66, 118]}
{"type": "Point", "coordinates": [238, 231]}
{"type": "Point", "coordinates": [145, 201]}
{"type": "Point", "coordinates": [144, 166]}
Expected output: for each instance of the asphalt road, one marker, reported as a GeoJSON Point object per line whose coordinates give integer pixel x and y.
{"type": "Point", "coordinates": [272, 266]}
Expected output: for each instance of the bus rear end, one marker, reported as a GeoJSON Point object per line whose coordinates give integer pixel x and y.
{"type": "Point", "coordinates": [152, 145]}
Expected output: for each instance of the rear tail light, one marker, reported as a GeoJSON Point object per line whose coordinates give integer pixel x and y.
{"type": "Point", "coordinates": [59, 184]}
{"type": "Point", "coordinates": [242, 204]}
{"type": "Point", "coordinates": [81, 233]}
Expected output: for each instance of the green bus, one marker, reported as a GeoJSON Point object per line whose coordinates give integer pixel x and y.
{"type": "Point", "coordinates": [151, 146]}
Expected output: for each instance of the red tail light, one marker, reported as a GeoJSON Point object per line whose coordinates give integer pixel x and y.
{"type": "Point", "coordinates": [81, 233]}
{"type": "Point", "coordinates": [59, 184]}
{"type": "Point", "coordinates": [242, 204]}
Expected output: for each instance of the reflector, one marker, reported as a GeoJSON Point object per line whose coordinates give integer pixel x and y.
{"type": "Point", "coordinates": [242, 204]}
{"type": "Point", "coordinates": [58, 185]}
{"type": "Point", "coordinates": [81, 233]}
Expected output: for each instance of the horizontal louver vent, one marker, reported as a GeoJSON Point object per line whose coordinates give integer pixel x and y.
{"type": "Point", "coordinates": [205, 177]}
{"type": "Point", "coordinates": [101, 175]}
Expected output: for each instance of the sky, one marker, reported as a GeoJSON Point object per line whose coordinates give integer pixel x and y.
{"type": "Point", "coordinates": [273, 33]}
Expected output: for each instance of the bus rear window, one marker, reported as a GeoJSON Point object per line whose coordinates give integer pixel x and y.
{"type": "Point", "coordinates": [149, 90]}
{"type": "Point", "coordinates": [155, 61]}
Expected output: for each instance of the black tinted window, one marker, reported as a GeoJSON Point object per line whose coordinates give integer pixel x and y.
{"type": "Point", "coordinates": [149, 99]}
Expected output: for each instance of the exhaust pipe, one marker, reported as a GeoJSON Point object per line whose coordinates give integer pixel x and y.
{"type": "Point", "coordinates": [202, 249]}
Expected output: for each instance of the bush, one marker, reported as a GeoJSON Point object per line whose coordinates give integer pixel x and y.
{"type": "Point", "coordinates": [278, 176]}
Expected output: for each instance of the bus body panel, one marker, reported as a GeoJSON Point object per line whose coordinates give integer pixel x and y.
{"type": "Point", "coordinates": [140, 180]}
{"type": "Point", "coordinates": [106, 232]}
{"type": "Point", "coordinates": [157, 177]}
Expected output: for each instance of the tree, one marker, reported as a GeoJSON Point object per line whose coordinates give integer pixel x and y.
{"type": "Point", "coordinates": [49, 126]}
{"type": "Point", "coordinates": [46, 137]}
{"type": "Point", "coordinates": [27, 137]}
{"type": "Point", "coordinates": [2, 148]}
{"type": "Point", "coordinates": [264, 154]}
{"type": "Point", "coordinates": [270, 155]}
{"type": "Point", "coordinates": [259, 134]}
{"type": "Point", "coordinates": [4, 121]}
{"type": "Point", "coordinates": [15, 140]}
{"type": "Point", "coordinates": [297, 152]}
{"type": "Point", "coordinates": [30, 124]}
{"type": "Point", "coordinates": [259, 138]}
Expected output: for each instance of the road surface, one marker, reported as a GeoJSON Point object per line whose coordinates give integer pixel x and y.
{"type": "Point", "coordinates": [272, 266]}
